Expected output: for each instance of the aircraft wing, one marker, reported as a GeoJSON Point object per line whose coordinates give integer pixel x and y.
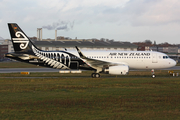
{"type": "Point", "coordinates": [96, 64]}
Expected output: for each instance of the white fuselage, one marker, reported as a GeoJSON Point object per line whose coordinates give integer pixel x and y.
{"type": "Point", "coordinates": [134, 59]}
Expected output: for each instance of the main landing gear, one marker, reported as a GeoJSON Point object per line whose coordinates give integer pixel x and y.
{"type": "Point", "coordinates": [95, 75]}
{"type": "Point", "coordinates": [153, 73]}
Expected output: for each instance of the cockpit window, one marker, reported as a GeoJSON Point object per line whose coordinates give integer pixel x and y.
{"type": "Point", "coordinates": [165, 57]}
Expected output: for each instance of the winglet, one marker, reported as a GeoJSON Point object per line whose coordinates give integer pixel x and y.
{"type": "Point", "coordinates": [80, 53]}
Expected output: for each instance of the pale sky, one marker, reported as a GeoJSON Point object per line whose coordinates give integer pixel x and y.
{"type": "Point", "coordinates": [121, 20]}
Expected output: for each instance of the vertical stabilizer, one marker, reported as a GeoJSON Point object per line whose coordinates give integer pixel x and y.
{"type": "Point", "coordinates": [20, 40]}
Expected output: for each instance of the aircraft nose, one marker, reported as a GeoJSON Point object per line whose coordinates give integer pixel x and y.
{"type": "Point", "coordinates": [173, 63]}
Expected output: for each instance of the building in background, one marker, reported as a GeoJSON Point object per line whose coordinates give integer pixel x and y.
{"type": "Point", "coordinates": [172, 50]}
{"type": "Point", "coordinates": [51, 45]}
{"type": "Point", "coordinates": [3, 50]}
{"type": "Point", "coordinates": [9, 44]}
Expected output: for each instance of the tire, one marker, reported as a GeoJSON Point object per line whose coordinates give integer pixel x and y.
{"type": "Point", "coordinates": [95, 75]}
{"type": "Point", "coordinates": [153, 76]}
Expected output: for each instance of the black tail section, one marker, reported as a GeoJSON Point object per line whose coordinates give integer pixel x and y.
{"type": "Point", "coordinates": [20, 40]}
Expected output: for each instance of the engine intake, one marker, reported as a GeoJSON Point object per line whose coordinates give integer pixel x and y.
{"type": "Point", "coordinates": [117, 70]}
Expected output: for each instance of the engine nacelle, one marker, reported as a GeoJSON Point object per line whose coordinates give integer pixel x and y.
{"type": "Point", "coordinates": [117, 70]}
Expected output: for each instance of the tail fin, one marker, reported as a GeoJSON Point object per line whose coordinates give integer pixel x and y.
{"type": "Point", "coordinates": [20, 40]}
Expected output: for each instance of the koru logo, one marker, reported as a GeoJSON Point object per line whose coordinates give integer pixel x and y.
{"type": "Point", "coordinates": [24, 41]}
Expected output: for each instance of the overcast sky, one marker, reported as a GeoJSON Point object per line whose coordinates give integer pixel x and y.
{"type": "Point", "coordinates": [121, 20]}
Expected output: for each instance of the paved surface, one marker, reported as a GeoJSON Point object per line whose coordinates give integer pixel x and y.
{"type": "Point", "coordinates": [17, 70]}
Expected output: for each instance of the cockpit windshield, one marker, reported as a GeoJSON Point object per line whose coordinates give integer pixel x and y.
{"type": "Point", "coordinates": [165, 57]}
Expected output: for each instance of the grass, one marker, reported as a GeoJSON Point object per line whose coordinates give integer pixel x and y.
{"type": "Point", "coordinates": [87, 98]}
{"type": "Point", "coordinates": [136, 96]}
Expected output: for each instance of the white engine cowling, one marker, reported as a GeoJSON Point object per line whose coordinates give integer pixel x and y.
{"type": "Point", "coordinates": [117, 70]}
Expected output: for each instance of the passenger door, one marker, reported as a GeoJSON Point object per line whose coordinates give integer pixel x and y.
{"type": "Point", "coordinates": [154, 58]}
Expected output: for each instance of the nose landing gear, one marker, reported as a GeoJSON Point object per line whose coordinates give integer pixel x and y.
{"type": "Point", "coordinates": [153, 73]}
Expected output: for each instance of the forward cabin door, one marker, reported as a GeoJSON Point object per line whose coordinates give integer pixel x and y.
{"type": "Point", "coordinates": [154, 58]}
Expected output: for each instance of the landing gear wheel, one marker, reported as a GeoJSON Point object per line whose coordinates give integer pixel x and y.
{"type": "Point", "coordinates": [95, 75]}
{"type": "Point", "coordinates": [153, 73]}
{"type": "Point", "coordinates": [153, 76]}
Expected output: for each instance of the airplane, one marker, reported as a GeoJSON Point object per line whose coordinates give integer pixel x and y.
{"type": "Point", "coordinates": [109, 62]}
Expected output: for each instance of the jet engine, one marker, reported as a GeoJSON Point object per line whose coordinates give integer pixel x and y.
{"type": "Point", "coordinates": [117, 70]}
